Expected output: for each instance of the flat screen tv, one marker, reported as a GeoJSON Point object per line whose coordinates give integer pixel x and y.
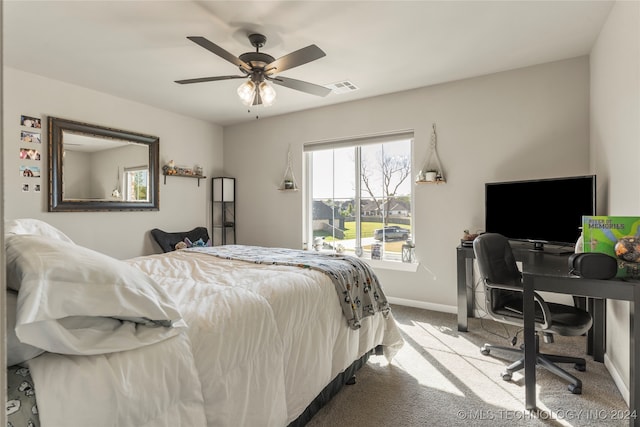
{"type": "Point", "coordinates": [541, 211]}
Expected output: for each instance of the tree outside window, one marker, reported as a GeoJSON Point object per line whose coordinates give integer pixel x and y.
{"type": "Point", "coordinates": [361, 199]}
{"type": "Point", "coordinates": [136, 181]}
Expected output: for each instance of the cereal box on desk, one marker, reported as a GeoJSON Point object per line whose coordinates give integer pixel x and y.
{"type": "Point", "coordinates": [618, 236]}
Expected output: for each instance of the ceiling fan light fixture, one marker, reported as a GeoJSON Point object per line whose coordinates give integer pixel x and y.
{"type": "Point", "coordinates": [247, 92]}
{"type": "Point", "coordinates": [258, 66]}
{"type": "Point", "coordinates": [267, 94]}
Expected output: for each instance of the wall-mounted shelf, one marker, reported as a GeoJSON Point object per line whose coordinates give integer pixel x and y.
{"type": "Point", "coordinates": [288, 180]}
{"type": "Point", "coordinates": [437, 181]}
{"type": "Point", "coordinates": [431, 172]}
{"type": "Point", "coordinates": [198, 177]}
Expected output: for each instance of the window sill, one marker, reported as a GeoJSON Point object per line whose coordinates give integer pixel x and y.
{"type": "Point", "coordinates": [411, 267]}
{"type": "Point", "coordinates": [383, 265]}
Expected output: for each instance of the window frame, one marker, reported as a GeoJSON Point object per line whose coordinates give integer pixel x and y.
{"type": "Point", "coordinates": [129, 171]}
{"type": "Point", "coordinates": [357, 144]}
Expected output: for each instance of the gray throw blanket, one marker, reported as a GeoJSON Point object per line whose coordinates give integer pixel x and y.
{"type": "Point", "coordinates": [358, 288]}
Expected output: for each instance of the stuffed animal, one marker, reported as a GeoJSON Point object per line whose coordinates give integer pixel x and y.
{"type": "Point", "coordinates": [170, 168]}
{"type": "Point", "coordinates": [469, 236]}
{"type": "Point", "coordinates": [197, 244]}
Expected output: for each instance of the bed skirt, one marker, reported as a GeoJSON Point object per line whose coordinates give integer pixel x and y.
{"type": "Point", "coordinates": [331, 390]}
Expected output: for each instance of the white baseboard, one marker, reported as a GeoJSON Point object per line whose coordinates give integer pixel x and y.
{"type": "Point", "coordinates": [424, 305]}
{"type": "Point", "coordinates": [617, 378]}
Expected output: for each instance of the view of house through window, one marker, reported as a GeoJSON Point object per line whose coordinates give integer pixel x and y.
{"type": "Point", "coordinates": [361, 197]}
{"type": "Point", "coordinates": [136, 181]}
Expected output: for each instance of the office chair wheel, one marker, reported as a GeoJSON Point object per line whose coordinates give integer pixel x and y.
{"type": "Point", "coordinates": [575, 389]}
{"type": "Point", "coordinates": [506, 376]}
{"type": "Point", "coordinates": [580, 367]}
{"type": "Point", "coordinates": [484, 350]}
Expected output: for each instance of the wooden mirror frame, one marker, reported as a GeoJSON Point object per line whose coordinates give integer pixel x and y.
{"type": "Point", "coordinates": [56, 126]}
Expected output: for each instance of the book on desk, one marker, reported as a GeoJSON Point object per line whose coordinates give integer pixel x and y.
{"type": "Point", "coordinates": [616, 236]}
{"type": "Point", "coordinates": [466, 243]}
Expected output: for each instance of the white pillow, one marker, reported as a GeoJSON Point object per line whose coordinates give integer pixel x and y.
{"type": "Point", "coordinates": [17, 352]}
{"type": "Point", "coordinates": [34, 226]}
{"type": "Point", "coordinates": [73, 300]}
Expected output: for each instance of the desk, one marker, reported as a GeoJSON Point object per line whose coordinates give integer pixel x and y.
{"type": "Point", "coordinates": [543, 263]}
{"type": "Point", "coordinates": [544, 272]}
{"type": "Point", "coordinates": [554, 278]}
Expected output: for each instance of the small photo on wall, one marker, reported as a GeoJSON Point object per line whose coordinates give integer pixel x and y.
{"type": "Point", "coordinates": [30, 171]}
{"type": "Point", "coordinates": [29, 154]}
{"type": "Point", "coordinates": [36, 188]}
{"type": "Point", "coordinates": [30, 122]}
{"type": "Point", "coordinates": [25, 188]}
{"type": "Point", "coordinates": [26, 136]}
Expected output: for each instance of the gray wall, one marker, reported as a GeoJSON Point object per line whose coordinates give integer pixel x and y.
{"type": "Point", "coordinates": [187, 141]}
{"type": "Point", "coordinates": [527, 123]}
{"type": "Point", "coordinates": [615, 150]}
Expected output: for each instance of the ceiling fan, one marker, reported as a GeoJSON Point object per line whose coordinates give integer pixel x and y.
{"type": "Point", "coordinates": [259, 68]}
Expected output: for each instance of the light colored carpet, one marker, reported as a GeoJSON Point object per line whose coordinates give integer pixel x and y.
{"type": "Point", "coordinates": [439, 378]}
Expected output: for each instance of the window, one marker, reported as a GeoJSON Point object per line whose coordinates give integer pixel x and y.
{"type": "Point", "coordinates": [359, 196]}
{"type": "Point", "coordinates": [136, 184]}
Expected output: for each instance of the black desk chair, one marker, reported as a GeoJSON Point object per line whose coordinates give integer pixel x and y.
{"type": "Point", "coordinates": [168, 241]}
{"type": "Point", "coordinates": [503, 294]}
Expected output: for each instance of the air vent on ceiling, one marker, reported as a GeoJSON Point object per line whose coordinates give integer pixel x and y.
{"type": "Point", "coordinates": [342, 87]}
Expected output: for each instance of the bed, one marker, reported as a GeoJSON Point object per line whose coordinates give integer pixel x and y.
{"type": "Point", "coordinates": [223, 336]}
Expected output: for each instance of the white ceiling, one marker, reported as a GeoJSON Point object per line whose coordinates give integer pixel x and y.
{"type": "Point", "coordinates": [136, 49]}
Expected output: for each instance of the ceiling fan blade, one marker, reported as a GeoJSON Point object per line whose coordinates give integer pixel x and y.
{"type": "Point", "coordinates": [301, 86]}
{"type": "Point", "coordinates": [295, 59]}
{"type": "Point", "coordinates": [208, 79]}
{"type": "Point", "coordinates": [212, 47]}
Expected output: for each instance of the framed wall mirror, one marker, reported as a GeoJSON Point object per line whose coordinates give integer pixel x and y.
{"type": "Point", "coordinates": [95, 168]}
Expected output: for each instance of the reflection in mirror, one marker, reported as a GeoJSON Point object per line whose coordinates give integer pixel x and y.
{"type": "Point", "coordinates": [97, 168]}
{"type": "Point", "coordinates": [104, 169]}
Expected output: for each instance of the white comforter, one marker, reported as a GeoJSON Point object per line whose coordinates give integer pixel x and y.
{"type": "Point", "coordinates": [151, 386]}
{"type": "Point", "coordinates": [262, 341]}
